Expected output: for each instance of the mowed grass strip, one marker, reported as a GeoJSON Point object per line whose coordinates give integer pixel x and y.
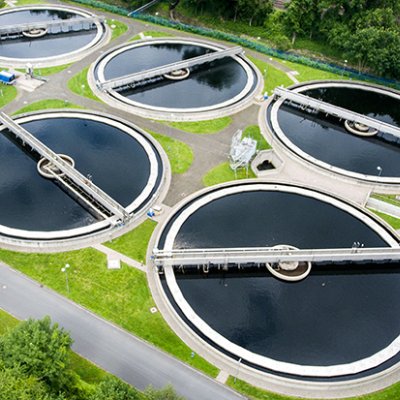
{"type": "Point", "coordinates": [223, 173]}
{"type": "Point", "coordinates": [180, 154]}
{"type": "Point", "coordinates": [79, 85]}
{"type": "Point", "coordinates": [202, 127]}
{"type": "Point", "coordinates": [134, 243]}
{"type": "Point", "coordinates": [121, 296]}
{"type": "Point", "coordinates": [47, 104]}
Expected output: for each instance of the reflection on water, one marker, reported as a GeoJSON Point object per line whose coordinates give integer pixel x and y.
{"type": "Point", "coordinates": [338, 314]}
{"type": "Point", "coordinates": [117, 163]}
{"type": "Point", "coordinates": [326, 139]}
{"type": "Point", "coordinates": [48, 45]}
{"type": "Point", "coordinates": [207, 84]}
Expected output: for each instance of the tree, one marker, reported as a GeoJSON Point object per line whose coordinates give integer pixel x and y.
{"type": "Point", "coordinates": [39, 349]}
{"type": "Point", "coordinates": [255, 11]}
{"type": "Point", "coordinates": [167, 393]}
{"type": "Point", "coordinates": [113, 388]}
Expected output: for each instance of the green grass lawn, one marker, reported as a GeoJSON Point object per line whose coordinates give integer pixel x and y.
{"type": "Point", "coordinates": [47, 104]}
{"type": "Point", "coordinates": [153, 34]}
{"type": "Point", "coordinates": [272, 77]}
{"type": "Point", "coordinates": [121, 296]}
{"type": "Point", "coordinates": [309, 73]}
{"type": "Point", "coordinates": [51, 70]}
{"type": "Point", "coordinates": [134, 243]}
{"type": "Point", "coordinates": [120, 28]}
{"type": "Point", "coordinates": [86, 371]}
{"type": "Point", "coordinates": [79, 85]}
{"type": "Point", "coordinates": [223, 173]}
{"type": "Point", "coordinates": [7, 94]}
{"type": "Point", "coordinates": [253, 131]}
{"type": "Point", "coordinates": [21, 3]}
{"type": "Point", "coordinates": [180, 155]}
{"type": "Point", "coordinates": [392, 221]}
{"type": "Point", "coordinates": [254, 393]}
{"type": "Point", "coordinates": [387, 198]}
{"type": "Point", "coordinates": [202, 127]}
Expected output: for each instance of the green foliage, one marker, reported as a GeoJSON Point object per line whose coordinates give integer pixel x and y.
{"type": "Point", "coordinates": [167, 393]}
{"type": "Point", "coordinates": [180, 155]}
{"type": "Point", "coordinates": [392, 221]}
{"type": "Point", "coordinates": [15, 385]}
{"type": "Point", "coordinates": [134, 243]}
{"type": "Point", "coordinates": [113, 388]}
{"type": "Point", "coordinates": [223, 173]}
{"type": "Point", "coordinates": [203, 127]}
{"type": "Point", "coordinates": [39, 349]}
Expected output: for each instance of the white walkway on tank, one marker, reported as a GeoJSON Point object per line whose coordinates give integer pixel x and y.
{"type": "Point", "coordinates": [72, 24]}
{"type": "Point", "coordinates": [165, 69]}
{"type": "Point", "coordinates": [244, 255]}
{"type": "Point", "coordinates": [72, 179]}
{"type": "Point", "coordinates": [339, 112]}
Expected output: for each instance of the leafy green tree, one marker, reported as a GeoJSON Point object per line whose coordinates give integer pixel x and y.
{"type": "Point", "coordinates": [39, 349]}
{"type": "Point", "coordinates": [255, 11]}
{"type": "Point", "coordinates": [113, 388]}
{"type": "Point", "coordinates": [167, 393]}
{"type": "Point", "coordinates": [15, 385]}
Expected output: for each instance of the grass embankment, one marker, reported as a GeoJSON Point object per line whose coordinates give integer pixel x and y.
{"type": "Point", "coordinates": [273, 77]}
{"type": "Point", "coordinates": [47, 104]}
{"type": "Point", "coordinates": [223, 173]}
{"type": "Point", "coordinates": [86, 371]}
{"type": "Point", "coordinates": [309, 73]}
{"type": "Point", "coordinates": [254, 393]}
{"type": "Point", "coordinates": [134, 243]}
{"type": "Point", "coordinates": [79, 85]}
{"type": "Point", "coordinates": [7, 94]}
{"type": "Point", "coordinates": [118, 28]}
{"type": "Point", "coordinates": [50, 70]}
{"type": "Point", "coordinates": [392, 221]}
{"type": "Point", "coordinates": [253, 131]}
{"type": "Point", "coordinates": [387, 198]}
{"type": "Point", "coordinates": [202, 127]}
{"type": "Point", "coordinates": [121, 296]}
{"type": "Point", "coordinates": [153, 34]}
{"type": "Point", "coordinates": [21, 3]}
{"type": "Point", "coordinates": [180, 155]}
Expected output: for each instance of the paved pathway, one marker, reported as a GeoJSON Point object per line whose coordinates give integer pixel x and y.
{"type": "Point", "coordinates": [108, 346]}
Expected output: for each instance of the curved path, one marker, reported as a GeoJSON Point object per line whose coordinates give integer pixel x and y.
{"type": "Point", "coordinates": [108, 346]}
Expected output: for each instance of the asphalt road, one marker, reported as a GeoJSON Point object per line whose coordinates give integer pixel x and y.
{"type": "Point", "coordinates": [104, 344]}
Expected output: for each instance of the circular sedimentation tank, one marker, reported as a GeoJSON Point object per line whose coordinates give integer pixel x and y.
{"type": "Point", "coordinates": [49, 45]}
{"type": "Point", "coordinates": [111, 154]}
{"type": "Point", "coordinates": [217, 88]}
{"type": "Point", "coordinates": [338, 145]}
{"type": "Point", "coordinates": [339, 323]}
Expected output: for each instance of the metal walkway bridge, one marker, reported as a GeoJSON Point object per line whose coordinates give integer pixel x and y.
{"type": "Point", "coordinates": [260, 255]}
{"type": "Point", "coordinates": [69, 177]}
{"type": "Point", "coordinates": [339, 112]}
{"type": "Point", "coordinates": [73, 24]}
{"type": "Point", "coordinates": [127, 80]}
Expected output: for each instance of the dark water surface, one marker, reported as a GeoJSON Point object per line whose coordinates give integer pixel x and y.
{"type": "Point", "coordinates": [118, 164]}
{"type": "Point", "coordinates": [336, 315]}
{"type": "Point", "coordinates": [48, 45]}
{"type": "Point", "coordinates": [207, 85]}
{"type": "Point", "coordinates": [326, 139]}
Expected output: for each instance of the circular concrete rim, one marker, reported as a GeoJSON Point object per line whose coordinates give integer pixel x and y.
{"type": "Point", "coordinates": [203, 197]}
{"type": "Point", "coordinates": [102, 36]}
{"type": "Point", "coordinates": [290, 146]}
{"type": "Point", "coordinates": [141, 137]}
{"type": "Point", "coordinates": [234, 105]}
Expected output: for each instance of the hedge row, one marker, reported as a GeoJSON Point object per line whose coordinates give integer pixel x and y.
{"type": "Point", "coordinates": [259, 47]}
